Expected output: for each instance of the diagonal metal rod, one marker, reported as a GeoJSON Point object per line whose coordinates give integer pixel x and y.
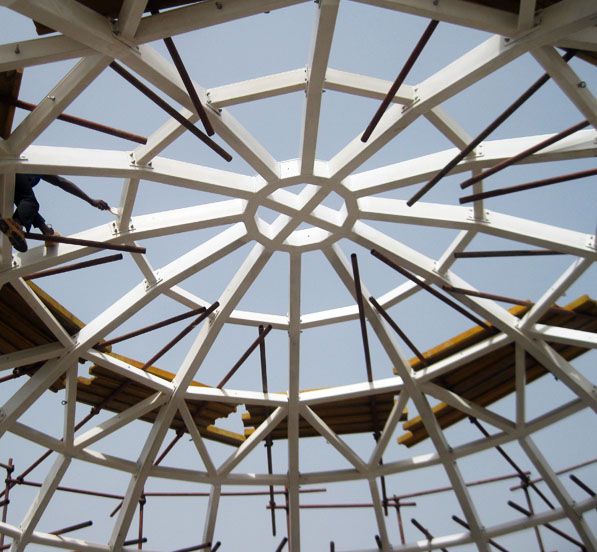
{"type": "Point", "coordinates": [429, 289]}
{"type": "Point", "coordinates": [536, 529]}
{"type": "Point", "coordinates": [268, 440]}
{"type": "Point", "coordinates": [505, 253]}
{"type": "Point", "coordinates": [282, 544]}
{"type": "Point", "coordinates": [528, 185]}
{"type": "Point", "coordinates": [134, 541]}
{"type": "Point", "coordinates": [7, 486]}
{"type": "Point", "coordinates": [72, 528]}
{"type": "Point", "coordinates": [216, 546]}
{"type": "Point", "coordinates": [181, 335]}
{"type": "Point", "coordinates": [582, 485]}
{"type": "Point", "coordinates": [400, 79]}
{"type": "Point", "coordinates": [152, 327]}
{"type": "Point", "coordinates": [524, 154]}
{"type": "Point", "coordinates": [485, 133]}
{"type": "Point", "coordinates": [399, 331]}
{"type": "Point", "coordinates": [425, 531]}
{"type": "Point", "coordinates": [468, 528]}
{"type": "Point", "coordinates": [74, 490]}
{"type": "Point", "coordinates": [548, 525]}
{"type": "Point", "coordinates": [365, 338]}
{"type": "Point", "coordinates": [378, 542]}
{"type": "Point", "coordinates": [86, 243]}
{"type": "Point", "coordinates": [73, 266]}
{"type": "Point", "coordinates": [186, 79]}
{"type": "Point", "coordinates": [523, 476]}
{"type": "Point", "coordinates": [245, 356]}
{"type": "Point", "coordinates": [170, 110]}
{"type": "Point", "coordinates": [80, 122]}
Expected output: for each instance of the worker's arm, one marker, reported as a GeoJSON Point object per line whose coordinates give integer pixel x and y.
{"type": "Point", "coordinates": [73, 189]}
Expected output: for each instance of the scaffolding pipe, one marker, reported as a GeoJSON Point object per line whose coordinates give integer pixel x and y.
{"type": "Point", "coordinates": [85, 243]}
{"type": "Point", "coordinates": [524, 154]}
{"type": "Point", "coordinates": [400, 79]}
{"type": "Point", "coordinates": [468, 528]}
{"type": "Point", "coordinates": [80, 122]}
{"type": "Point", "coordinates": [71, 528]}
{"type": "Point", "coordinates": [505, 253]}
{"type": "Point", "coordinates": [170, 110]}
{"type": "Point", "coordinates": [73, 266]}
{"type": "Point", "coordinates": [529, 185]}
{"type": "Point", "coordinates": [429, 289]}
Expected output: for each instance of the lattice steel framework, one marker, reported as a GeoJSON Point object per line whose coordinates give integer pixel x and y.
{"type": "Point", "coordinates": [86, 35]}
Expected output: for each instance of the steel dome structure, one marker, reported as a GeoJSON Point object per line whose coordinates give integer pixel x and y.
{"type": "Point", "coordinates": [281, 212]}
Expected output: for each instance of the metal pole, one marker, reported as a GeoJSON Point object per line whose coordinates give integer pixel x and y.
{"type": "Point", "coordinates": [142, 502]}
{"type": "Point", "coordinates": [527, 495]}
{"type": "Point", "coordinates": [583, 486]}
{"type": "Point", "coordinates": [282, 544]}
{"type": "Point", "coordinates": [182, 334]}
{"type": "Point", "coordinates": [245, 356]}
{"type": "Point", "coordinates": [86, 243]}
{"type": "Point", "coordinates": [81, 122]}
{"type": "Point", "coordinates": [365, 338]}
{"type": "Point", "coordinates": [72, 528]}
{"type": "Point", "coordinates": [467, 526]}
{"type": "Point", "coordinates": [152, 327]}
{"type": "Point", "coordinates": [73, 266]}
{"type": "Point", "coordinates": [133, 541]}
{"type": "Point", "coordinates": [548, 526]}
{"type": "Point", "coordinates": [529, 185]}
{"type": "Point", "coordinates": [524, 154]}
{"type": "Point", "coordinates": [9, 469]}
{"type": "Point", "coordinates": [485, 133]}
{"type": "Point", "coordinates": [378, 542]}
{"type": "Point", "coordinates": [400, 79]}
{"type": "Point", "coordinates": [398, 330]}
{"type": "Point", "coordinates": [198, 547]}
{"type": "Point", "coordinates": [425, 532]}
{"type": "Point", "coordinates": [186, 79]}
{"type": "Point", "coordinates": [523, 476]}
{"type": "Point", "coordinates": [429, 289]}
{"type": "Point", "coordinates": [170, 110]}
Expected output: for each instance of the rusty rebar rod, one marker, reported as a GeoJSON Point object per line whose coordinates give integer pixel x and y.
{"type": "Point", "coordinates": [561, 472]}
{"type": "Point", "coordinates": [398, 330]}
{"type": "Point", "coordinates": [282, 544]}
{"type": "Point", "coordinates": [342, 505]}
{"type": "Point", "coordinates": [152, 327]}
{"type": "Point", "coordinates": [92, 125]}
{"type": "Point", "coordinates": [582, 485]}
{"type": "Point", "coordinates": [332, 546]}
{"type": "Point", "coordinates": [73, 266]}
{"type": "Point", "coordinates": [9, 467]}
{"type": "Point", "coordinates": [399, 504]}
{"type": "Point", "coordinates": [425, 532]}
{"type": "Point", "coordinates": [134, 541]}
{"type": "Point", "coordinates": [365, 338]}
{"type": "Point", "coordinates": [13, 375]}
{"type": "Point", "coordinates": [74, 490]}
{"type": "Point", "coordinates": [400, 79]}
{"type": "Point", "coordinates": [181, 335]}
{"type": "Point", "coordinates": [528, 185]}
{"type": "Point", "coordinates": [523, 476]}
{"type": "Point", "coordinates": [230, 493]}
{"type": "Point", "coordinates": [216, 546]}
{"type": "Point", "coordinates": [245, 356]}
{"type": "Point", "coordinates": [549, 526]}
{"type": "Point", "coordinates": [268, 440]}
{"type": "Point", "coordinates": [524, 154]}
{"type": "Point", "coordinates": [72, 528]}
{"type": "Point", "coordinates": [186, 79]}
{"type": "Point", "coordinates": [170, 110]}
{"type": "Point", "coordinates": [468, 528]}
{"type": "Point", "coordinates": [197, 547]}
{"type": "Point", "coordinates": [429, 289]}
{"type": "Point", "coordinates": [170, 446]}
{"type": "Point", "coordinates": [85, 243]}
{"type": "Point", "coordinates": [485, 133]}
{"type": "Point", "coordinates": [536, 529]}
{"type": "Point", "coordinates": [505, 253]}
{"type": "Point", "coordinates": [378, 542]}
{"type": "Point", "coordinates": [142, 502]}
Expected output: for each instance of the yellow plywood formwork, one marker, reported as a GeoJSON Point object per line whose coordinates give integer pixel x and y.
{"type": "Point", "coordinates": [492, 376]}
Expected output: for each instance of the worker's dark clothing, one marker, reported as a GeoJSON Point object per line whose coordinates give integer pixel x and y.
{"type": "Point", "coordinates": [27, 211]}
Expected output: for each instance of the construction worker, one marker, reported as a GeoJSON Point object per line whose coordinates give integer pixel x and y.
{"type": "Point", "coordinates": [27, 207]}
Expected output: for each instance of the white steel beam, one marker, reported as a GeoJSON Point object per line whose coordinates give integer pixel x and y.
{"type": "Point", "coordinates": [448, 127]}
{"type": "Point", "coordinates": [130, 16]}
{"type": "Point", "coordinates": [556, 334]}
{"type": "Point", "coordinates": [31, 355]}
{"type": "Point", "coordinates": [7, 184]}
{"type": "Point", "coordinates": [366, 86]}
{"type": "Point", "coordinates": [388, 430]}
{"type": "Point", "coordinates": [212, 513]}
{"type": "Point", "coordinates": [197, 439]}
{"type": "Point", "coordinates": [340, 265]}
{"type": "Point", "coordinates": [121, 419]}
{"type": "Point", "coordinates": [321, 46]}
{"type": "Point", "coordinates": [576, 89]}
{"type": "Point", "coordinates": [71, 380]}
{"type": "Point", "coordinates": [40, 503]}
{"type": "Point", "coordinates": [526, 14]}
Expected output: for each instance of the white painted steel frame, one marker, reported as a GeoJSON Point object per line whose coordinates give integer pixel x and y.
{"type": "Point", "coordinates": [88, 36]}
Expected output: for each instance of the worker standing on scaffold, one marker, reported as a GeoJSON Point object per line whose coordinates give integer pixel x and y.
{"type": "Point", "coordinates": [27, 207]}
